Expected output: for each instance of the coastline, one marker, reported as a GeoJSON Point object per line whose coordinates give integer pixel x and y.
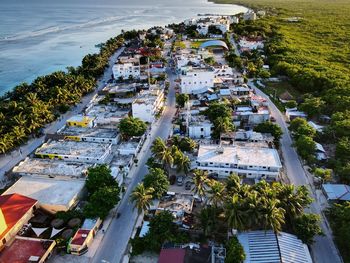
{"type": "Point", "coordinates": [55, 46]}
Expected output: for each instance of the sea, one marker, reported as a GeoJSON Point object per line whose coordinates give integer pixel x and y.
{"type": "Point", "coordinates": [38, 37]}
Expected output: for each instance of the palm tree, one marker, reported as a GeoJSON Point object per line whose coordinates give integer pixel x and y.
{"type": "Point", "coordinates": [292, 200]}
{"type": "Point", "coordinates": [200, 181]}
{"type": "Point", "coordinates": [142, 197]}
{"type": "Point", "coordinates": [234, 213]}
{"type": "Point", "coordinates": [272, 216]}
{"type": "Point", "coordinates": [253, 203]}
{"type": "Point", "coordinates": [182, 162]}
{"type": "Point", "coordinates": [233, 183]}
{"type": "Point", "coordinates": [158, 148]}
{"type": "Point", "coordinates": [216, 192]}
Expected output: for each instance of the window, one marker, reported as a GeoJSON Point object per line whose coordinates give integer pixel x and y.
{"type": "Point", "coordinates": [202, 129]}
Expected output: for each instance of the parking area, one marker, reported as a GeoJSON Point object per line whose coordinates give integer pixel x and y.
{"type": "Point", "coordinates": [184, 186]}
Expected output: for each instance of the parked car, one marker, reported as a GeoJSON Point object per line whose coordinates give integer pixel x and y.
{"type": "Point", "coordinates": [272, 119]}
{"type": "Point", "coordinates": [180, 181]}
{"type": "Point", "coordinates": [188, 185]}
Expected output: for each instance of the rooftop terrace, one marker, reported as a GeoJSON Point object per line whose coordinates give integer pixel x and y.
{"type": "Point", "coordinates": [73, 149]}
{"type": "Point", "coordinates": [46, 167]}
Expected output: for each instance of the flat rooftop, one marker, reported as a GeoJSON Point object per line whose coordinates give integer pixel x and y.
{"type": "Point", "coordinates": [22, 249]}
{"type": "Point", "coordinates": [47, 191]}
{"type": "Point", "coordinates": [89, 132]}
{"type": "Point", "coordinates": [240, 155]}
{"type": "Point", "coordinates": [72, 148]}
{"type": "Point", "coordinates": [48, 167]}
{"type": "Point", "coordinates": [111, 113]}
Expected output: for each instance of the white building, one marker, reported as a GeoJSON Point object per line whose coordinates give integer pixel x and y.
{"type": "Point", "coordinates": [222, 23]}
{"type": "Point", "coordinates": [148, 104]}
{"type": "Point", "coordinates": [250, 116]}
{"type": "Point", "coordinates": [71, 151]}
{"type": "Point", "coordinates": [248, 161]}
{"type": "Point", "coordinates": [200, 129]}
{"type": "Point", "coordinates": [197, 80]}
{"type": "Point", "coordinates": [53, 195]}
{"type": "Point", "coordinates": [126, 69]}
{"type": "Point", "coordinates": [101, 135]}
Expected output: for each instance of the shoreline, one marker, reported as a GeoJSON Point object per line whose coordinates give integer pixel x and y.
{"type": "Point", "coordinates": [86, 45]}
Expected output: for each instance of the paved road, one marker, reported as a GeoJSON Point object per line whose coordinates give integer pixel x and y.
{"type": "Point", "coordinates": [323, 250]}
{"type": "Point", "coordinates": [117, 236]}
{"type": "Point", "coordinates": [8, 161]}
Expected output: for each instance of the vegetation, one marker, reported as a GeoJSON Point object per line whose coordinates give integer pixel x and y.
{"type": "Point", "coordinates": [306, 147]}
{"type": "Point", "coordinates": [220, 114]}
{"type": "Point", "coordinates": [103, 192]}
{"type": "Point", "coordinates": [181, 99]}
{"type": "Point", "coordinates": [184, 144]}
{"type": "Point", "coordinates": [130, 127]}
{"type": "Point", "coordinates": [170, 156]}
{"type": "Point", "coordinates": [234, 251]}
{"type": "Point", "coordinates": [306, 227]}
{"type": "Point", "coordinates": [26, 109]}
{"type": "Point", "coordinates": [142, 197]}
{"type": "Point", "coordinates": [157, 180]}
{"type": "Point", "coordinates": [339, 218]}
{"type": "Point", "coordinates": [161, 229]}
{"type": "Point", "coordinates": [261, 206]}
{"type": "Point", "coordinates": [272, 128]}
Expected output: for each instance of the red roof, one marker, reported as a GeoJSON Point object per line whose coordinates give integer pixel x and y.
{"type": "Point", "coordinates": [14, 207]}
{"type": "Point", "coordinates": [22, 249]}
{"type": "Point", "coordinates": [80, 236]}
{"type": "Point", "coordinates": [172, 255]}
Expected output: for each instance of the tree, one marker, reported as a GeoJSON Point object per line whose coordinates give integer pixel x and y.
{"type": "Point", "coordinates": [296, 123]}
{"type": "Point", "coordinates": [339, 217]}
{"type": "Point", "coordinates": [222, 125]}
{"type": "Point", "coordinates": [312, 106]}
{"type": "Point", "coordinates": [182, 162]}
{"type": "Point", "coordinates": [342, 151]}
{"type": "Point", "coordinates": [306, 227]}
{"type": "Point", "coordinates": [209, 60]}
{"type": "Point", "coordinates": [208, 218]}
{"type": "Point", "coordinates": [130, 127]}
{"type": "Point", "coordinates": [216, 110]}
{"type": "Point", "coordinates": [235, 213]}
{"type": "Point", "coordinates": [216, 193]}
{"type": "Point", "coordinates": [101, 202]}
{"type": "Point", "coordinates": [184, 144]}
{"type": "Point", "coordinates": [306, 147]}
{"type": "Point", "coordinates": [99, 177]}
{"type": "Point", "coordinates": [291, 104]}
{"type": "Point", "coordinates": [324, 174]}
{"type": "Point", "coordinates": [161, 229]}
{"type": "Point", "coordinates": [272, 215]}
{"type": "Point", "coordinates": [157, 180]}
{"type": "Point", "coordinates": [269, 127]}
{"type": "Point", "coordinates": [142, 197]}
{"type": "Point", "coordinates": [234, 251]}
{"type": "Point", "coordinates": [158, 148]}
{"type": "Point", "coordinates": [200, 181]}
{"type": "Point", "coordinates": [182, 99]}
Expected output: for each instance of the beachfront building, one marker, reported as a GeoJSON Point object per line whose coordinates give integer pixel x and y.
{"type": "Point", "coordinates": [197, 80]}
{"type": "Point", "coordinates": [15, 211]}
{"type": "Point", "coordinates": [147, 104]}
{"type": "Point", "coordinates": [71, 151]}
{"type": "Point", "coordinates": [250, 161]}
{"type": "Point", "coordinates": [127, 69]}
{"type": "Point", "coordinates": [53, 195]}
